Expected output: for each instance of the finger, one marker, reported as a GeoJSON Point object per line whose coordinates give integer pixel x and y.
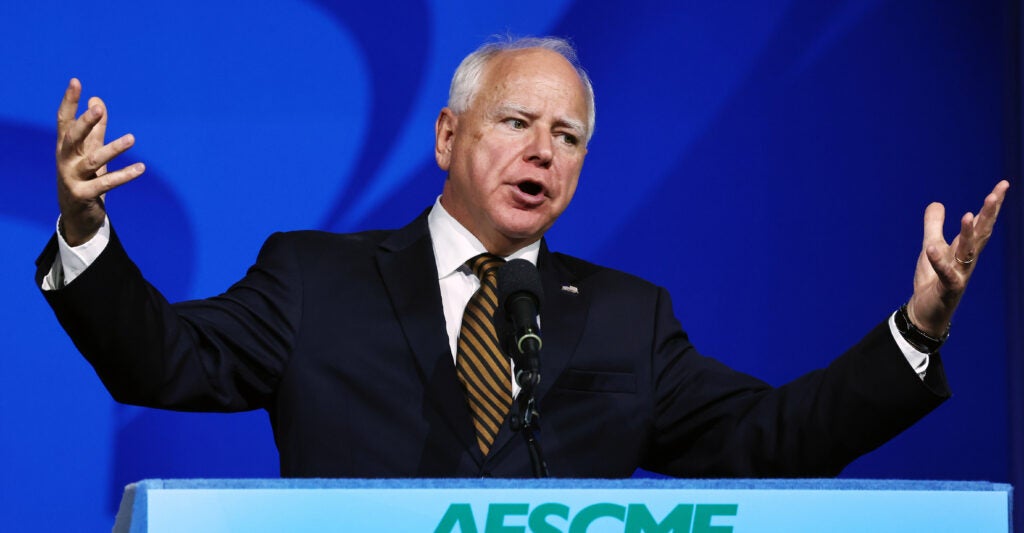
{"type": "Point", "coordinates": [934, 217]}
{"type": "Point", "coordinates": [94, 188]}
{"type": "Point", "coordinates": [94, 140]}
{"type": "Point", "coordinates": [75, 135]}
{"type": "Point", "coordinates": [95, 160]}
{"type": "Point", "coordinates": [990, 209]}
{"type": "Point", "coordinates": [966, 249]}
{"type": "Point", "coordinates": [68, 106]}
{"type": "Point", "coordinates": [95, 137]}
{"type": "Point", "coordinates": [943, 266]}
{"type": "Point", "coordinates": [975, 231]}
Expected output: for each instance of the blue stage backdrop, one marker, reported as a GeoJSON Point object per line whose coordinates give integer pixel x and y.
{"type": "Point", "coordinates": [775, 157]}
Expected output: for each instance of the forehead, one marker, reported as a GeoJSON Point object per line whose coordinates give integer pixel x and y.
{"type": "Point", "coordinates": [533, 76]}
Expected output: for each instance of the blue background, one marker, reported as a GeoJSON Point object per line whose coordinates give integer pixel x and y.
{"type": "Point", "coordinates": [768, 162]}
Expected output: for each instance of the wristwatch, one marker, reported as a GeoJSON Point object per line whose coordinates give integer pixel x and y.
{"type": "Point", "coordinates": [920, 340]}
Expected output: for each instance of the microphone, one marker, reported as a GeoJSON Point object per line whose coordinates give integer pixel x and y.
{"type": "Point", "coordinates": [521, 294]}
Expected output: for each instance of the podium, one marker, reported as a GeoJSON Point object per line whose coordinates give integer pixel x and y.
{"type": "Point", "coordinates": [564, 505]}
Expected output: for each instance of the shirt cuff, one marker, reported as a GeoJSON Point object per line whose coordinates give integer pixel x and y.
{"type": "Point", "coordinates": [72, 261]}
{"type": "Point", "coordinates": [918, 360]}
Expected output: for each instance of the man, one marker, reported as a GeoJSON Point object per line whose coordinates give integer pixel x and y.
{"type": "Point", "coordinates": [359, 348]}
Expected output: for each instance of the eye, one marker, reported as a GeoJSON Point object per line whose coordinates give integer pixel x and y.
{"type": "Point", "coordinates": [570, 139]}
{"type": "Point", "coordinates": [516, 123]}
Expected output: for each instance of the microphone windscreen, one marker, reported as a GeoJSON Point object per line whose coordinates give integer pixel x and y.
{"type": "Point", "coordinates": [519, 275]}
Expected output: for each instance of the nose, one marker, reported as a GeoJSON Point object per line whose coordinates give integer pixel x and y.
{"type": "Point", "coordinates": [540, 151]}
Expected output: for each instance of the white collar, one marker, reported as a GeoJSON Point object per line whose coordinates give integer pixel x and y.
{"type": "Point", "coordinates": [454, 244]}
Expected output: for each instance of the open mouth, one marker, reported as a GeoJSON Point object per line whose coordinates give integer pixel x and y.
{"type": "Point", "coordinates": [531, 187]}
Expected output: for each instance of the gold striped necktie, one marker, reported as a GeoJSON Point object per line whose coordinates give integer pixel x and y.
{"type": "Point", "coordinates": [482, 368]}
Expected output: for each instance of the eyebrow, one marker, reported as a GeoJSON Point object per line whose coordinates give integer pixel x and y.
{"type": "Point", "coordinates": [570, 123]}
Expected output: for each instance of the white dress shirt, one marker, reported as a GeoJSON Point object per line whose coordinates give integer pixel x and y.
{"type": "Point", "coordinates": [453, 246]}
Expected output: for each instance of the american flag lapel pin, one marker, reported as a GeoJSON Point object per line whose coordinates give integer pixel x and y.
{"type": "Point", "coordinates": [571, 289]}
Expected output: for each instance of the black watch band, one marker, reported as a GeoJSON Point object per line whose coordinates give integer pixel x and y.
{"type": "Point", "coordinates": [920, 340]}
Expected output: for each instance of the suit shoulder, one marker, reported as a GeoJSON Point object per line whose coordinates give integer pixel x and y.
{"type": "Point", "coordinates": [587, 272]}
{"type": "Point", "coordinates": [318, 239]}
{"type": "Point", "coordinates": [313, 249]}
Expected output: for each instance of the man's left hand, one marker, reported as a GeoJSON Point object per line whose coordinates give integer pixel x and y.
{"type": "Point", "coordinates": [943, 270]}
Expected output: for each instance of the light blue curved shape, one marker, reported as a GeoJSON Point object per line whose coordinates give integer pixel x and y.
{"type": "Point", "coordinates": [254, 112]}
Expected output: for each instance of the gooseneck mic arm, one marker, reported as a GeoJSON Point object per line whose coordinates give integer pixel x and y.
{"type": "Point", "coordinates": [521, 294]}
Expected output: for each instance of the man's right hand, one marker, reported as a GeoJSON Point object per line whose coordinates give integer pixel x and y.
{"type": "Point", "coordinates": [82, 177]}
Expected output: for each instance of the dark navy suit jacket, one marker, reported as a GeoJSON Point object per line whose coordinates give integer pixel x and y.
{"type": "Point", "coordinates": [341, 338]}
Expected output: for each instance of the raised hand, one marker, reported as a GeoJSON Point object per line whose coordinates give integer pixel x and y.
{"type": "Point", "coordinates": [82, 176]}
{"type": "Point", "coordinates": [943, 270]}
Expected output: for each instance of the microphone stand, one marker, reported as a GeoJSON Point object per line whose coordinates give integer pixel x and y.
{"type": "Point", "coordinates": [525, 416]}
{"type": "Point", "coordinates": [522, 293]}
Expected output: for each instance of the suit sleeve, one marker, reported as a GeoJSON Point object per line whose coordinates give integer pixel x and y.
{"type": "Point", "coordinates": [225, 353]}
{"type": "Point", "coordinates": [711, 421]}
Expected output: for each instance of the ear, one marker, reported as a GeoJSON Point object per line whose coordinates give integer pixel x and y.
{"type": "Point", "coordinates": [444, 137]}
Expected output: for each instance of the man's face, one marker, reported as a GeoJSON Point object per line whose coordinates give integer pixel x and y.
{"type": "Point", "coordinates": [514, 156]}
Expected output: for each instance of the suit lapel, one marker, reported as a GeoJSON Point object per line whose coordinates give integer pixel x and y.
{"type": "Point", "coordinates": [562, 318]}
{"type": "Point", "coordinates": [406, 260]}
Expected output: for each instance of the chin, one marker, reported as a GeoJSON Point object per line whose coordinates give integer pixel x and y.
{"type": "Point", "coordinates": [516, 233]}
{"type": "Point", "coordinates": [520, 227]}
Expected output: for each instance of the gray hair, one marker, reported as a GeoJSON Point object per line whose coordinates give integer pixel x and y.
{"type": "Point", "coordinates": [466, 81]}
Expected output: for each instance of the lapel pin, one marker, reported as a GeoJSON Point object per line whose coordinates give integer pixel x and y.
{"type": "Point", "coordinates": [570, 289]}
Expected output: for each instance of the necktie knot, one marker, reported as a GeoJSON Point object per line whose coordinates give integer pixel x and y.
{"type": "Point", "coordinates": [486, 266]}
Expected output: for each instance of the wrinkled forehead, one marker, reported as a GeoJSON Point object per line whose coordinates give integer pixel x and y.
{"type": "Point", "coordinates": [514, 77]}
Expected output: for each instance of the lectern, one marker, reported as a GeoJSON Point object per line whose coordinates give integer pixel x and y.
{"type": "Point", "coordinates": [563, 505]}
